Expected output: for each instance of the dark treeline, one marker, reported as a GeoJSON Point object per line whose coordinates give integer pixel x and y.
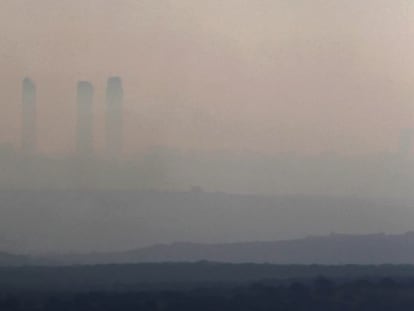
{"type": "Point", "coordinates": [319, 294]}
{"type": "Point", "coordinates": [167, 276]}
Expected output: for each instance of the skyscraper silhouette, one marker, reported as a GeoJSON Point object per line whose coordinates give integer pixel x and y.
{"type": "Point", "coordinates": [114, 119]}
{"type": "Point", "coordinates": [29, 128]}
{"type": "Point", "coordinates": [84, 126]}
{"type": "Point", "coordinates": [406, 141]}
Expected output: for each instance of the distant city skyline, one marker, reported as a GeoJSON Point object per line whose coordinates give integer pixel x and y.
{"type": "Point", "coordinates": [267, 76]}
{"type": "Point", "coordinates": [114, 116]}
{"type": "Point", "coordinates": [84, 131]}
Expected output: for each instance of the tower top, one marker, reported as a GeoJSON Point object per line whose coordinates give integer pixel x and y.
{"type": "Point", "coordinates": [115, 80]}
{"type": "Point", "coordinates": [84, 85]}
{"type": "Point", "coordinates": [28, 83]}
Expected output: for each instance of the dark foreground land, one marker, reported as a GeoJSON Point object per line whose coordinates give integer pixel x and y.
{"type": "Point", "coordinates": [207, 286]}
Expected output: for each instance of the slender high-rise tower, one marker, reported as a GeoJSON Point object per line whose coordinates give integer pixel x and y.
{"type": "Point", "coordinates": [28, 136]}
{"type": "Point", "coordinates": [84, 126]}
{"type": "Point", "coordinates": [114, 119]}
{"type": "Point", "coordinates": [406, 142]}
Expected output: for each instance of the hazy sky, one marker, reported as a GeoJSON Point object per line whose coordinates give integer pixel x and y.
{"type": "Point", "coordinates": [262, 75]}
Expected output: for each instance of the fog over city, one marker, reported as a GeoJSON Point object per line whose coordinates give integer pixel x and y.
{"type": "Point", "coordinates": [130, 123]}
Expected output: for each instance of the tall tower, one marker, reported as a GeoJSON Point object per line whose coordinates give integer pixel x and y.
{"type": "Point", "coordinates": [114, 119]}
{"type": "Point", "coordinates": [406, 142]}
{"type": "Point", "coordinates": [29, 128]}
{"type": "Point", "coordinates": [84, 126]}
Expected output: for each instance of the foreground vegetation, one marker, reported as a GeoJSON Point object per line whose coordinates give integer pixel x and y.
{"type": "Point", "coordinates": [207, 286]}
{"type": "Point", "coordinates": [319, 294]}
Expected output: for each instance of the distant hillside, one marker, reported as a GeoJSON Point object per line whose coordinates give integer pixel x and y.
{"type": "Point", "coordinates": [107, 221]}
{"type": "Point", "coordinates": [332, 249]}
{"type": "Point", "coordinates": [7, 259]}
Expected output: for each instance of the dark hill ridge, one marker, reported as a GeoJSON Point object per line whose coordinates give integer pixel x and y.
{"type": "Point", "coordinates": [332, 249]}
